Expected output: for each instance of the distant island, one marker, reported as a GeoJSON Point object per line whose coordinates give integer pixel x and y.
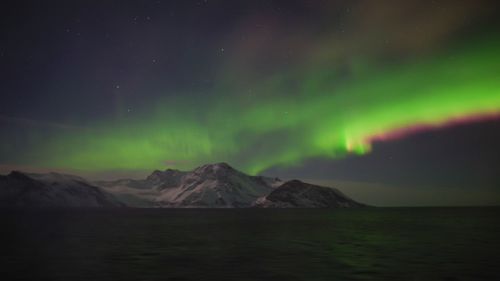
{"type": "Point", "coordinates": [208, 186]}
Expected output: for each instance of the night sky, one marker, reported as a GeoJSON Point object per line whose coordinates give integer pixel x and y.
{"type": "Point", "coordinates": [394, 102]}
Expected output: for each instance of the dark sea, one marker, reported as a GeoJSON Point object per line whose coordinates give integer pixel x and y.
{"type": "Point", "coordinates": [251, 244]}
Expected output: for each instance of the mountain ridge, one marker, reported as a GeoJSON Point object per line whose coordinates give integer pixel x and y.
{"type": "Point", "coordinates": [215, 185]}
{"type": "Point", "coordinates": [18, 189]}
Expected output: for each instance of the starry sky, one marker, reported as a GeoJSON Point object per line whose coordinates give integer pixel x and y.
{"type": "Point", "coordinates": [394, 102]}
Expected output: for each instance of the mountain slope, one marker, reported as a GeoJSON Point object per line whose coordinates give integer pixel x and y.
{"type": "Point", "coordinates": [208, 186]}
{"type": "Point", "coordinates": [221, 186]}
{"type": "Point", "coordinates": [51, 190]}
{"type": "Point", "coordinates": [216, 185]}
{"type": "Point", "coordinates": [297, 194]}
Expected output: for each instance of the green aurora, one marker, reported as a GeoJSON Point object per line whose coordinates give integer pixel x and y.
{"type": "Point", "coordinates": [304, 112]}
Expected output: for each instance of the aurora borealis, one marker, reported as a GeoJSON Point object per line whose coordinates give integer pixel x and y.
{"type": "Point", "coordinates": [321, 120]}
{"type": "Point", "coordinates": [259, 84]}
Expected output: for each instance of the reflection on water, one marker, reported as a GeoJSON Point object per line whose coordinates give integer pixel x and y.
{"type": "Point", "coordinates": [154, 244]}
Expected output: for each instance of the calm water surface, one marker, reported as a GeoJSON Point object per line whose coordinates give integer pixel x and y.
{"type": "Point", "coordinates": [159, 244]}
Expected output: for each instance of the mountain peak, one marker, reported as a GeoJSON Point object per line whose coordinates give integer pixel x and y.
{"type": "Point", "coordinates": [219, 185]}
{"type": "Point", "coordinates": [158, 176]}
{"type": "Point", "coordinates": [294, 183]}
{"type": "Point", "coordinates": [298, 194]}
{"type": "Point", "coordinates": [216, 185]}
{"type": "Point", "coordinates": [223, 164]}
{"type": "Point", "coordinates": [219, 165]}
{"type": "Point", "coordinates": [155, 175]}
{"type": "Point", "coordinates": [216, 168]}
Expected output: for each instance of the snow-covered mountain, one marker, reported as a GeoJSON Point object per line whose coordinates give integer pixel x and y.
{"type": "Point", "coordinates": [208, 186]}
{"type": "Point", "coordinates": [221, 186]}
{"type": "Point", "coordinates": [52, 190]}
{"type": "Point", "coordinates": [216, 185]}
{"type": "Point", "coordinates": [213, 185]}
